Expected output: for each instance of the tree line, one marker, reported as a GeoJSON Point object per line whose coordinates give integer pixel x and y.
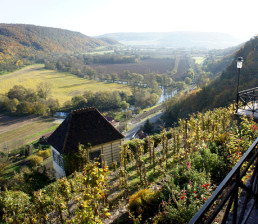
{"type": "Point", "coordinates": [21, 100]}
{"type": "Point", "coordinates": [79, 66]}
{"type": "Point", "coordinates": [106, 101]}
{"type": "Point", "coordinates": [110, 59]}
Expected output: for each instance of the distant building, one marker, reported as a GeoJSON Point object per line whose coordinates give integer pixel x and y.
{"type": "Point", "coordinates": [85, 126]}
{"type": "Point", "coordinates": [140, 135]}
{"type": "Point", "coordinates": [43, 139]}
{"type": "Point", "coordinates": [112, 121]}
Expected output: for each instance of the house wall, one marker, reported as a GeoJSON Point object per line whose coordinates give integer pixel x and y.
{"type": "Point", "coordinates": [110, 151]}
{"type": "Point", "coordinates": [58, 163]}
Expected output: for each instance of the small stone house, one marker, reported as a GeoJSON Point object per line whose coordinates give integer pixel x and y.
{"type": "Point", "coordinates": [85, 126]}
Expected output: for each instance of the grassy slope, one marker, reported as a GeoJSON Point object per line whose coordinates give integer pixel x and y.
{"type": "Point", "coordinates": [64, 85]}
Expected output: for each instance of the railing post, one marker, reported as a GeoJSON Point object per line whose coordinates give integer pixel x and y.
{"type": "Point", "coordinates": [232, 182]}
{"type": "Point", "coordinates": [236, 197]}
{"type": "Point", "coordinates": [237, 102]}
{"type": "Point", "coordinates": [186, 146]}
{"type": "Point", "coordinates": [247, 96]}
{"type": "Point", "coordinates": [237, 89]}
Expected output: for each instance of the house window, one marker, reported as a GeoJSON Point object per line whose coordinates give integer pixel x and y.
{"type": "Point", "coordinates": [54, 156]}
{"type": "Point", "coordinates": [95, 154]}
{"type": "Point", "coordinates": [58, 159]}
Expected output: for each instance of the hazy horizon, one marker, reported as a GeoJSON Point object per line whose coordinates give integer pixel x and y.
{"type": "Point", "coordinates": [99, 17]}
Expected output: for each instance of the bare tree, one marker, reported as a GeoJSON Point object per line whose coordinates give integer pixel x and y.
{"type": "Point", "coordinates": [44, 90]}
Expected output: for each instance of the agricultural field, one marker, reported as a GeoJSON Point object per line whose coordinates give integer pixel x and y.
{"type": "Point", "coordinates": [157, 65]}
{"type": "Point", "coordinates": [18, 131]}
{"type": "Point", "coordinates": [64, 85]}
{"type": "Point", "coordinates": [183, 63]}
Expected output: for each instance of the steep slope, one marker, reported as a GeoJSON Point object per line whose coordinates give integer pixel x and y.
{"type": "Point", "coordinates": [207, 40]}
{"type": "Point", "coordinates": [109, 40]}
{"type": "Point", "coordinates": [222, 91]}
{"type": "Point", "coordinates": [219, 59]}
{"type": "Point", "coordinates": [18, 41]}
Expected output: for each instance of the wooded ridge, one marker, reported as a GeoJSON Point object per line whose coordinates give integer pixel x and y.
{"type": "Point", "coordinates": [20, 41]}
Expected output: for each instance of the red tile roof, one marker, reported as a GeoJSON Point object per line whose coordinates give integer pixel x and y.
{"type": "Point", "coordinates": [83, 126]}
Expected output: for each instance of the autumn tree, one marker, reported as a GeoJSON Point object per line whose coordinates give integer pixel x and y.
{"type": "Point", "coordinates": [17, 92]}
{"type": "Point", "coordinates": [188, 81]}
{"type": "Point", "coordinates": [19, 63]}
{"type": "Point", "coordinates": [79, 101]}
{"type": "Point", "coordinates": [148, 127]}
{"type": "Point", "coordinates": [44, 90]}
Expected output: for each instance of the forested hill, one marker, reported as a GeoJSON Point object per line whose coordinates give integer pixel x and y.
{"type": "Point", "coordinates": [222, 91]}
{"type": "Point", "coordinates": [18, 41]}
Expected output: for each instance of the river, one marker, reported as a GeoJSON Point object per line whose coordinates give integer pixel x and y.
{"type": "Point", "coordinates": [166, 94]}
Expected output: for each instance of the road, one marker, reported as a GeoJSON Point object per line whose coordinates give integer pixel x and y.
{"type": "Point", "coordinates": [136, 127]}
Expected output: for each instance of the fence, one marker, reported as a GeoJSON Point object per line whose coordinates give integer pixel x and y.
{"type": "Point", "coordinates": [225, 198]}
{"type": "Point", "coordinates": [248, 98]}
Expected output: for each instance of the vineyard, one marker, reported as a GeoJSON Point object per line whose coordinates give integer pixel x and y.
{"type": "Point", "coordinates": [164, 178]}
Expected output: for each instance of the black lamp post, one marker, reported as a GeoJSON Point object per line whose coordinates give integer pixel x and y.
{"type": "Point", "coordinates": [239, 66]}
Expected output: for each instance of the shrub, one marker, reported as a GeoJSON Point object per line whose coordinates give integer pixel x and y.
{"type": "Point", "coordinates": [44, 153]}
{"type": "Point", "coordinates": [180, 214]}
{"type": "Point", "coordinates": [204, 160]}
{"type": "Point", "coordinates": [182, 175]}
{"type": "Point", "coordinates": [144, 202]}
{"type": "Point", "coordinates": [14, 206]}
{"type": "Point", "coordinates": [169, 134]}
{"type": "Point", "coordinates": [179, 204]}
{"type": "Point", "coordinates": [3, 154]}
{"type": "Point", "coordinates": [133, 144]}
{"type": "Point", "coordinates": [35, 160]}
{"type": "Point", "coordinates": [157, 139]}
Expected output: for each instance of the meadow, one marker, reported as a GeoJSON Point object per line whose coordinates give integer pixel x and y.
{"type": "Point", "coordinates": [64, 85]}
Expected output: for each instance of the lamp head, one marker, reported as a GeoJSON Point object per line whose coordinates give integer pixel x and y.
{"type": "Point", "coordinates": [240, 62]}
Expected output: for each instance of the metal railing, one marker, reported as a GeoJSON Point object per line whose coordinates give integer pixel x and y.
{"type": "Point", "coordinates": [248, 99]}
{"type": "Point", "coordinates": [225, 198]}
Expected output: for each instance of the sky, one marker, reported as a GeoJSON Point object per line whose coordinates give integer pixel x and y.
{"type": "Point", "coordinates": [96, 17]}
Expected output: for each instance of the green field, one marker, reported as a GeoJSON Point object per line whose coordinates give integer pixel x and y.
{"type": "Point", "coordinates": [199, 60]}
{"type": "Point", "coordinates": [64, 85]}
